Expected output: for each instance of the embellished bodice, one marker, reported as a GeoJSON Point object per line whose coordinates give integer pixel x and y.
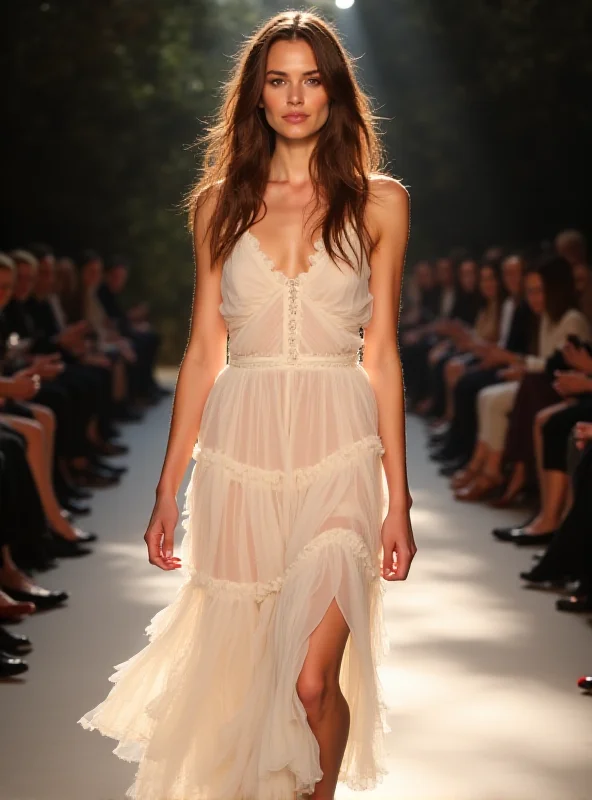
{"type": "Point", "coordinates": [283, 320]}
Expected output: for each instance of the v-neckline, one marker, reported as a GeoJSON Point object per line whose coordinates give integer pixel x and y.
{"type": "Point", "coordinates": [270, 263]}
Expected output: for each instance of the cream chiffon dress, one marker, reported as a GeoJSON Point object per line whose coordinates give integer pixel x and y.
{"type": "Point", "coordinates": [283, 513]}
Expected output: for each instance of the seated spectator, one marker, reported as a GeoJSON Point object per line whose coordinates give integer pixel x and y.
{"type": "Point", "coordinates": [454, 443]}
{"type": "Point", "coordinates": [132, 324]}
{"type": "Point", "coordinates": [551, 294]}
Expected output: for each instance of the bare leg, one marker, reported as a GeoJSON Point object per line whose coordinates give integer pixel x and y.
{"type": "Point", "coordinates": [37, 461]}
{"type": "Point", "coordinates": [556, 486]}
{"type": "Point", "coordinates": [326, 707]}
{"type": "Point", "coordinates": [46, 418]}
{"type": "Point", "coordinates": [453, 372]}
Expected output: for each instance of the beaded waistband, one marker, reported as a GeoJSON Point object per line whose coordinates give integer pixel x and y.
{"type": "Point", "coordinates": [306, 361]}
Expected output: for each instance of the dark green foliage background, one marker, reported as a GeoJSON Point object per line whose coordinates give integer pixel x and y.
{"type": "Point", "coordinates": [487, 110]}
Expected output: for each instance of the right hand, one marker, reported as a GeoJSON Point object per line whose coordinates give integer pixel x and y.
{"type": "Point", "coordinates": [582, 434]}
{"type": "Point", "coordinates": [160, 536]}
{"type": "Point", "coordinates": [24, 386]}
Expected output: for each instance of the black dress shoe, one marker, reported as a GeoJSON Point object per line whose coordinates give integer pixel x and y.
{"type": "Point", "coordinates": [520, 537]}
{"type": "Point", "coordinates": [82, 537]}
{"type": "Point", "coordinates": [576, 604]}
{"type": "Point", "coordinates": [11, 665]}
{"type": "Point", "coordinates": [64, 548]}
{"type": "Point", "coordinates": [75, 509]}
{"type": "Point", "coordinates": [544, 579]}
{"type": "Point", "coordinates": [15, 644]}
{"type": "Point", "coordinates": [95, 477]}
{"type": "Point", "coordinates": [43, 598]}
{"type": "Point", "coordinates": [97, 463]}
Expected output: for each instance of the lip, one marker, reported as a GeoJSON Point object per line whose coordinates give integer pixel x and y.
{"type": "Point", "coordinates": [295, 117]}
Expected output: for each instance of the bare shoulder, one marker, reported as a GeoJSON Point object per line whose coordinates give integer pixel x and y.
{"type": "Point", "coordinates": [388, 206]}
{"type": "Point", "coordinates": [386, 190]}
{"type": "Point", "coordinates": [204, 205]}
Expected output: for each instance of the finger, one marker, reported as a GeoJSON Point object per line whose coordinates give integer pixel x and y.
{"type": "Point", "coordinates": [403, 565]}
{"type": "Point", "coordinates": [153, 541]}
{"type": "Point", "coordinates": [168, 541]}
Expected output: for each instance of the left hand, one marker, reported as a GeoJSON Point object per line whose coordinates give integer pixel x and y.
{"type": "Point", "coordinates": [582, 434]}
{"type": "Point", "coordinates": [398, 545]}
{"type": "Point", "coordinates": [570, 383]}
{"type": "Point", "coordinates": [577, 357]}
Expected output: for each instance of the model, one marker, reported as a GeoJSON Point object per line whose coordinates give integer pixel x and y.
{"type": "Point", "coordinates": [259, 681]}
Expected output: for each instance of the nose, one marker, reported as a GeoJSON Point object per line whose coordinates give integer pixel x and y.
{"type": "Point", "coordinates": [295, 95]}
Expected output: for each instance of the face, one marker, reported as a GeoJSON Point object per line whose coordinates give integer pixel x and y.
{"type": "Point", "coordinates": [6, 285]}
{"type": "Point", "coordinates": [512, 275]}
{"type": "Point", "coordinates": [117, 278]}
{"type": "Point", "coordinates": [488, 285]}
{"type": "Point", "coordinates": [92, 273]}
{"type": "Point", "coordinates": [581, 276]}
{"type": "Point", "coordinates": [294, 98]}
{"type": "Point", "coordinates": [444, 273]}
{"type": "Point", "coordinates": [64, 275]}
{"type": "Point", "coordinates": [25, 280]}
{"type": "Point", "coordinates": [45, 275]}
{"type": "Point", "coordinates": [467, 275]}
{"type": "Point", "coordinates": [534, 292]}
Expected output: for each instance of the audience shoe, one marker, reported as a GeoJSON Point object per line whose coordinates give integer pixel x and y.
{"type": "Point", "coordinates": [15, 644]}
{"type": "Point", "coordinates": [43, 598]}
{"type": "Point", "coordinates": [95, 477]}
{"type": "Point", "coordinates": [542, 579]}
{"type": "Point", "coordinates": [82, 537]}
{"type": "Point", "coordinates": [520, 537]}
{"type": "Point", "coordinates": [97, 463]}
{"type": "Point", "coordinates": [74, 509]}
{"type": "Point", "coordinates": [585, 683]}
{"type": "Point", "coordinates": [111, 449]}
{"type": "Point", "coordinates": [11, 665]}
{"type": "Point", "coordinates": [449, 468]}
{"type": "Point", "coordinates": [575, 604]}
{"type": "Point", "coordinates": [14, 611]}
{"type": "Point", "coordinates": [64, 548]}
{"type": "Point", "coordinates": [127, 414]}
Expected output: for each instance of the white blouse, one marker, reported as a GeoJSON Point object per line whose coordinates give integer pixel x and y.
{"type": "Point", "coordinates": [553, 335]}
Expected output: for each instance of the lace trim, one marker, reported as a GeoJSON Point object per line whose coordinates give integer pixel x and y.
{"type": "Point", "coordinates": [300, 477]}
{"type": "Point", "coordinates": [270, 264]}
{"type": "Point", "coordinates": [259, 591]}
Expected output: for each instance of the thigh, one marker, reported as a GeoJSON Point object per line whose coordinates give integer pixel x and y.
{"type": "Point", "coordinates": [326, 646]}
{"type": "Point", "coordinates": [43, 415]}
{"type": "Point", "coordinates": [29, 428]}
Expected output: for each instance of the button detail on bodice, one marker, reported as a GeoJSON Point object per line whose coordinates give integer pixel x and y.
{"type": "Point", "coordinates": [292, 319]}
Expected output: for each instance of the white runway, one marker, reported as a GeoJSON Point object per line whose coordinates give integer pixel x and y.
{"type": "Point", "coordinates": [480, 680]}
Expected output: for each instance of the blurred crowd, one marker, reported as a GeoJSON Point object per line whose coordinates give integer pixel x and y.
{"type": "Point", "coordinates": [497, 357]}
{"type": "Point", "coordinates": [74, 366]}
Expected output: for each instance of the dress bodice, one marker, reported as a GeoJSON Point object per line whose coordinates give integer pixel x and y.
{"type": "Point", "coordinates": [317, 313]}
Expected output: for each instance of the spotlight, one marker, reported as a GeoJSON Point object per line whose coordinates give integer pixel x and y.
{"type": "Point", "coordinates": [344, 3]}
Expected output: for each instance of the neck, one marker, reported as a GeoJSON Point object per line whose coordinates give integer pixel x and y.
{"type": "Point", "coordinates": [290, 162]}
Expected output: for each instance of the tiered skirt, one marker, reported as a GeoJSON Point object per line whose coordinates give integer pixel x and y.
{"type": "Point", "coordinates": [282, 514]}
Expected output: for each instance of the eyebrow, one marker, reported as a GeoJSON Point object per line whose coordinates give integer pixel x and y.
{"type": "Point", "coordinates": [285, 74]}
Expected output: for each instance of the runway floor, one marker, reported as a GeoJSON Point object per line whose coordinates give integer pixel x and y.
{"type": "Point", "coordinates": [480, 680]}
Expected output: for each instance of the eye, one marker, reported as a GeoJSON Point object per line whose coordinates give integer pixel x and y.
{"type": "Point", "coordinates": [273, 81]}
{"type": "Point", "coordinates": [316, 81]}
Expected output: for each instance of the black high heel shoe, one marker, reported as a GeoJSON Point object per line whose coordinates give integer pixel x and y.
{"type": "Point", "coordinates": [16, 644]}
{"type": "Point", "coordinates": [544, 578]}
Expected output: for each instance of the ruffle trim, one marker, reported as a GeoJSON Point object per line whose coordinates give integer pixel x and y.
{"type": "Point", "coordinates": [260, 590]}
{"type": "Point", "coordinates": [300, 477]}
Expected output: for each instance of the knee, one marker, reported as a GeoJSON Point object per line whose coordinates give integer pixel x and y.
{"type": "Point", "coordinates": [314, 690]}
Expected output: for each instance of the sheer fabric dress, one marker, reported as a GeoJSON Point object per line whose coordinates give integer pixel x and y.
{"type": "Point", "coordinates": [282, 513]}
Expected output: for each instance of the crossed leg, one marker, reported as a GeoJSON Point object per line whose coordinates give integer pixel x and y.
{"type": "Point", "coordinates": [318, 689]}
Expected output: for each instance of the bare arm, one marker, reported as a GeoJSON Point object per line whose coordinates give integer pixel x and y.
{"type": "Point", "coordinates": [205, 357]}
{"type": "Point", "coordinates": [389, 216]}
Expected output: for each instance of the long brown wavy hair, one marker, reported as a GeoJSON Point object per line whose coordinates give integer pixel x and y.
{"type": "Point", "coordinates": [240, 143]}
